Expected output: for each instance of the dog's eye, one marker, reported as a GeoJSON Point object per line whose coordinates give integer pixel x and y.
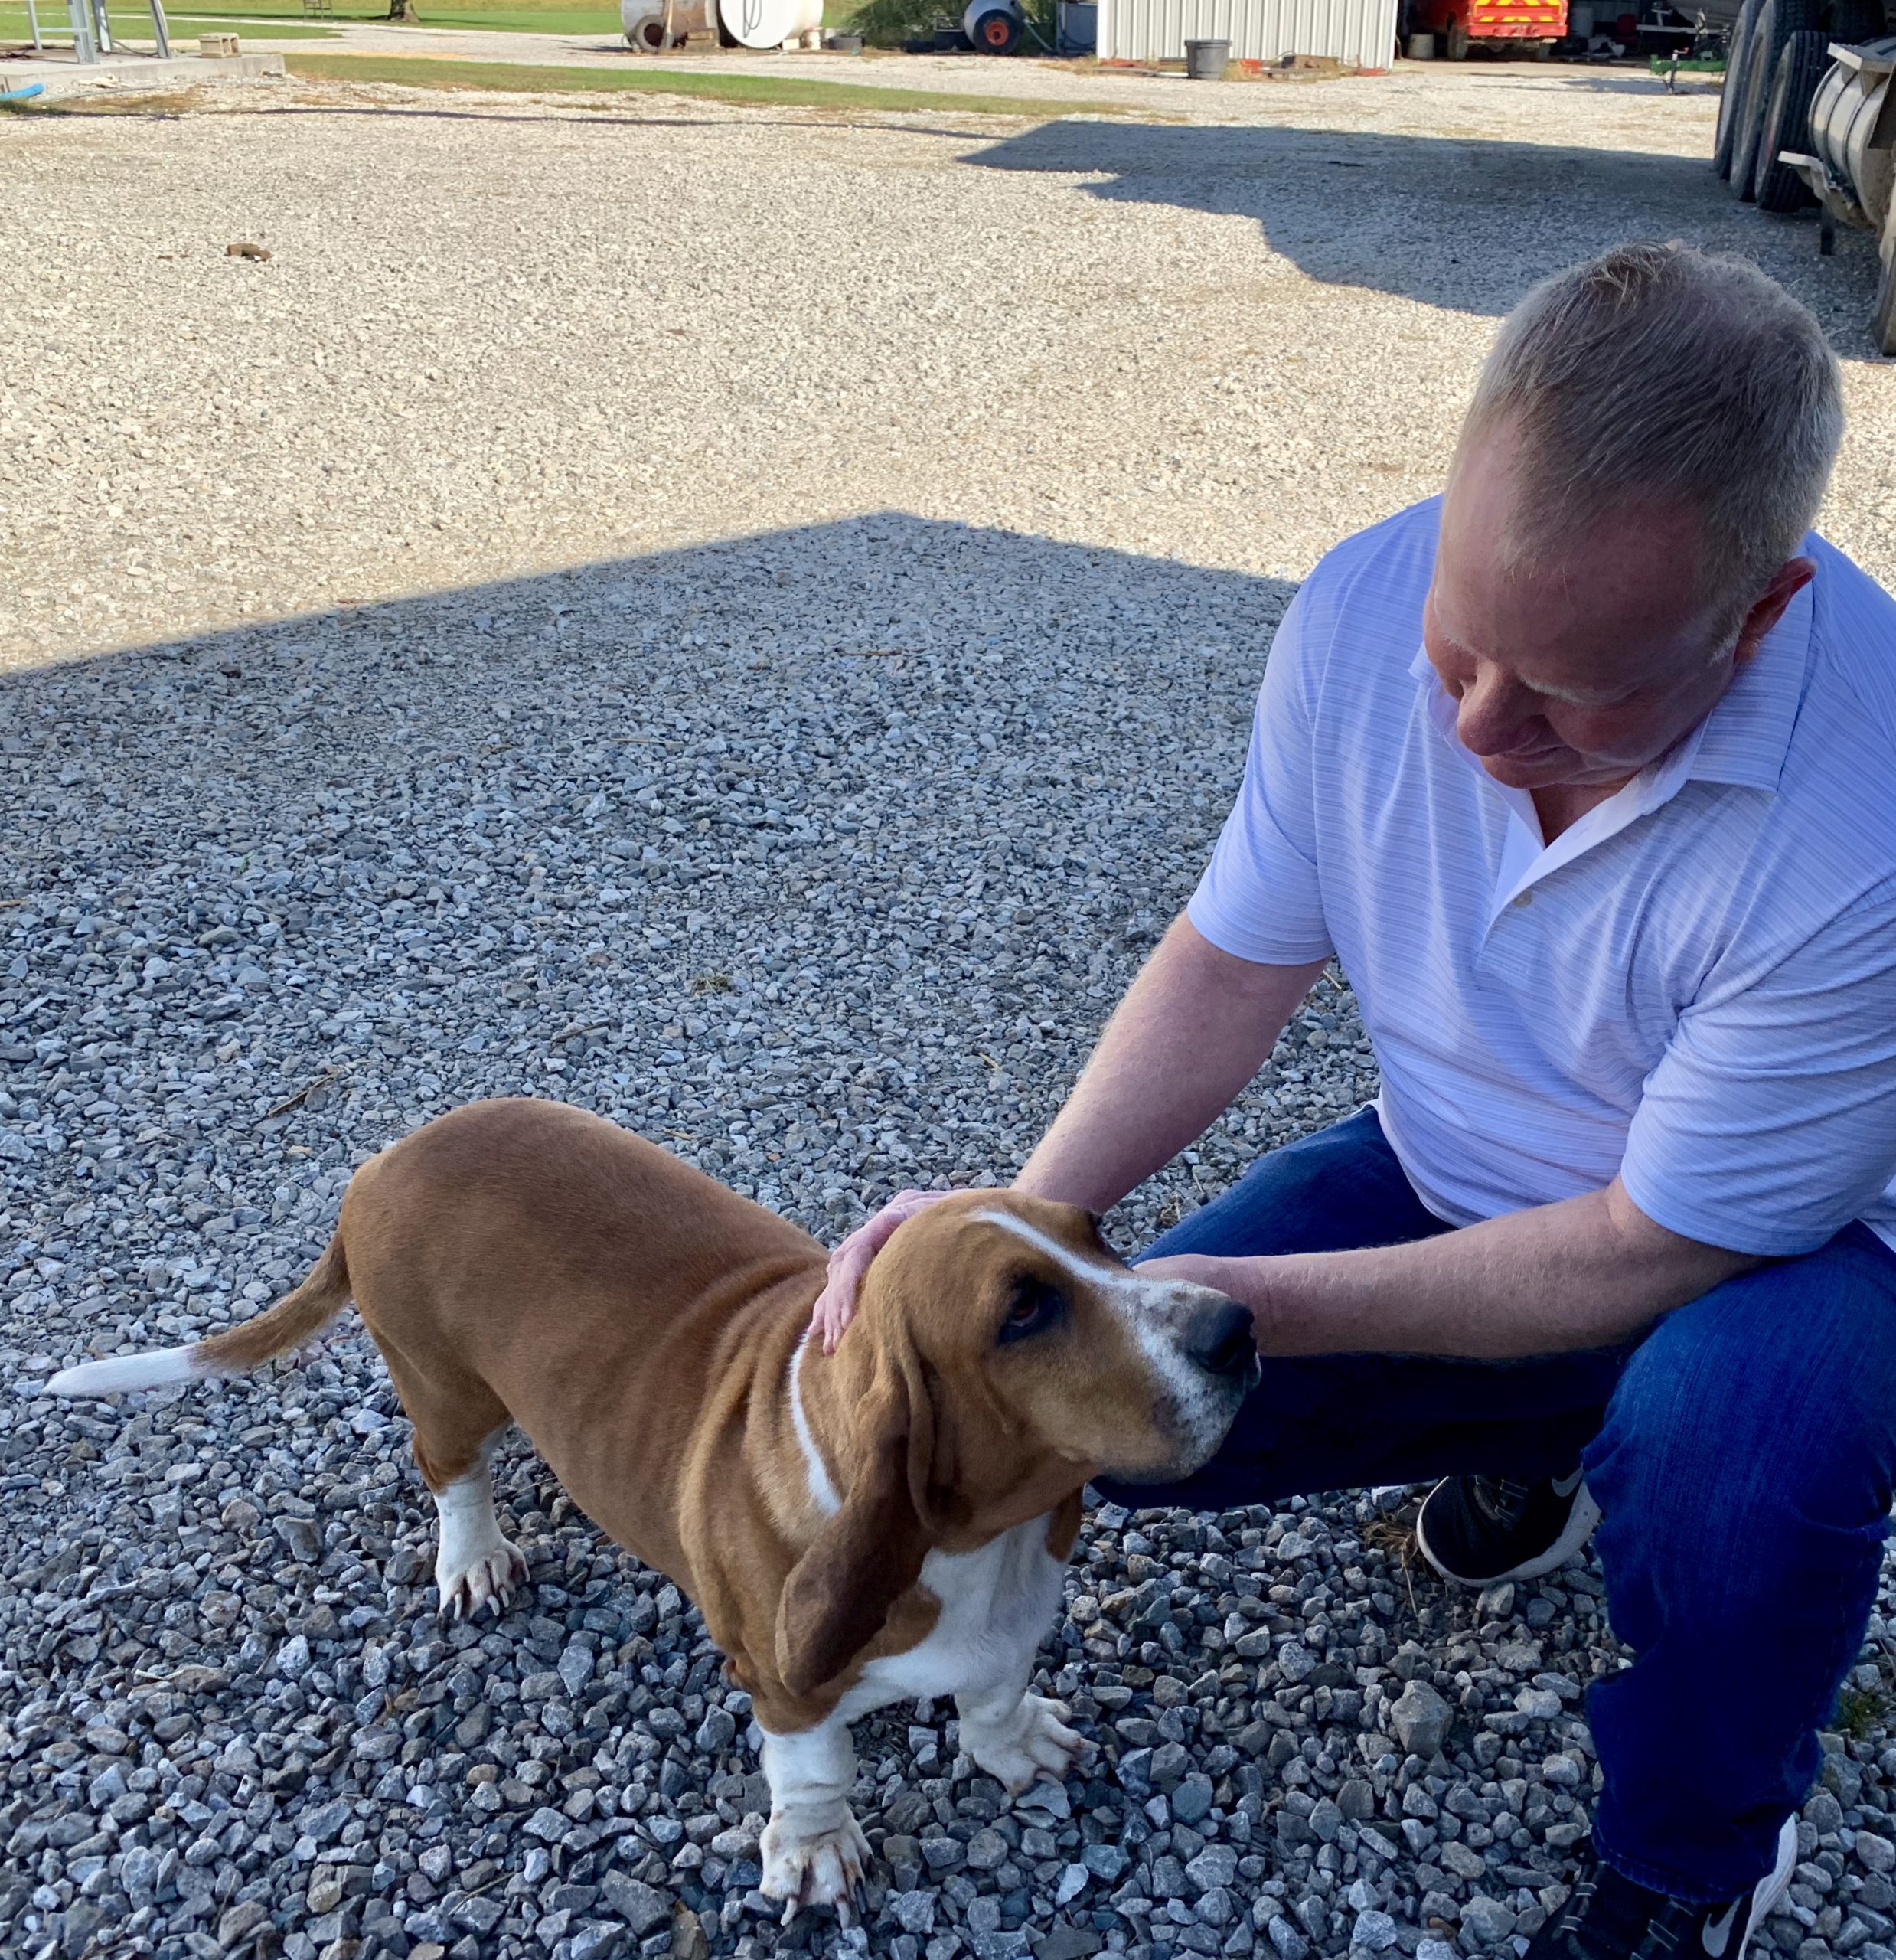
{"type": "Point", "coordinates": [1032, 1308]}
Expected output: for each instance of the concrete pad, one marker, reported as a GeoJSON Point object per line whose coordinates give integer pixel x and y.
{"type": "Point", "coordinates": [59, 74]}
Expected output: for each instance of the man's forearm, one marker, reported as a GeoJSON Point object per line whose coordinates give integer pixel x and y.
{"type": "Point", "coordinates": [1195, 1026]}
{"type": "Point", "coordinates": [1588, 1272]}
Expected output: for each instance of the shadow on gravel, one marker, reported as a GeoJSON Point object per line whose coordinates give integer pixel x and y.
{"type": "Point", "coordinates": [847, 824]}
{"type": "Point", "coordinates": [1458, 223]}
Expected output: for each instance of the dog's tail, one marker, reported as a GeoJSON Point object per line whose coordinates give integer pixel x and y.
{"type": "Point", "coordinates": [297, 1317]}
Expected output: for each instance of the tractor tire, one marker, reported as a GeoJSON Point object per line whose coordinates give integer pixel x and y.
{"type": "Point", "coordinates": [1731, 96]}
{"type": "Point", "coordinates": [996, 31]}
{"type": "Point", "coordinates": [1777, 21]}
{"type": "Point", "coordinates": [1800, 67]}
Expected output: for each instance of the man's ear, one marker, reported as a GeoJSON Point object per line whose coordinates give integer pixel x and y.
{"type": "Point", "coordinates": [838, 1594]}
{"type": "Point", "coordinates": [1789, 580]}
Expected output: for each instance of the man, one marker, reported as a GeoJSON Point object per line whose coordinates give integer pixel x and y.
{"type": "Point", "coordinates": [1583, 773]}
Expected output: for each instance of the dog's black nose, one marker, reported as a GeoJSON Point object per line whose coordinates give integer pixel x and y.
{"type": "Point", "coordinates": [1220, 1341]}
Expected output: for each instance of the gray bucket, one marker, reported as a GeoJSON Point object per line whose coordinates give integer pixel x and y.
{"type": "Point", "coordinates": [1206, 60]}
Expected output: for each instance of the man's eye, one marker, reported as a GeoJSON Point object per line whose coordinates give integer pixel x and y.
{"type": "Point", "coordinates": [1033, 1308]}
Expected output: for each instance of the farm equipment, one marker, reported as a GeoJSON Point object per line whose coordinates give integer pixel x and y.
{"type": "Point", "coordinates": [993, 27]}
{"type": "Point", "coordinates": [1511, 26]}
{"type": "Point", "coordinates": [1808, 118]}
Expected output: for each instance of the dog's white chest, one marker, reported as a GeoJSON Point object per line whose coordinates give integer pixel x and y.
{"type": "Point", "coordinates": [997, 1603]}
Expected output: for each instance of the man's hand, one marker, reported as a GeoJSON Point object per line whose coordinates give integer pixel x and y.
{"type": "Point", "coordinates": [836, 1305]}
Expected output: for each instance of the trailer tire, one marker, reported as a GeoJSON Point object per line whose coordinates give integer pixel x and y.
{"type": "Point", "coordinates": [1851, 21]}
{"type": "Point", "coordinates": [1883, 315]}
{"type": "Point", "coordinates": [1777, 21]}
{"type": "Point", "coordinates": [997, 31]}
{"type": "Point", "coordinates": [1731, 94]}
{"type": "Point", "coordinates": [1800, 67]}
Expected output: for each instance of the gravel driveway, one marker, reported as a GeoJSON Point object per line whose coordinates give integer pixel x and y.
{"type": "Point", "coordinates": [745, 621]}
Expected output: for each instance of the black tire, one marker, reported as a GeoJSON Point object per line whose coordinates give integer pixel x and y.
{"type": "Point", "coordinates": [1800, 67]}
{"type": "Point", "coordinates": [1883, 316]}
{"type": "Point", "coordinates": [1455, 43]}
{"type": "Point", "coordinates": [1777, 21]}
{"type": "Point", "coordinates": [1732, 94]}
{"type": "Point", "coordinates": [996, 32]}
{"type": "Point", "coordinates": [1851, 21]}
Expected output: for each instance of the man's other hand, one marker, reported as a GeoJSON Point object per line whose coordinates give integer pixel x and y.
{"type": "Point", "coordinates": [836, 1305]}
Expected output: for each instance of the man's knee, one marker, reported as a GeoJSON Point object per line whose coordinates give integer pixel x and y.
{"type": "Point", "coordinates": [1337, 1189]}
{"type": "Point", "coordinates": [1758, 1420]}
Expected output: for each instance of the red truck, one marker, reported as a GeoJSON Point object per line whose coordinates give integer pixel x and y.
{"type": "Point", "coordinates": [1508, 27]}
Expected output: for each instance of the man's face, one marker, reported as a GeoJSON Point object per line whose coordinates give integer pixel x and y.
{"type": "Point", "coordinates": [1579, 671]}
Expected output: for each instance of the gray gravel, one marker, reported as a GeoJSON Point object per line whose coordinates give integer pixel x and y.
{"type": "Point", "coordinates": [818, 855]}
{"type": "Point", "coordinates": [822, 868]}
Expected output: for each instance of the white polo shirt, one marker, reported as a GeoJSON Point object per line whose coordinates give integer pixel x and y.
{"type": "Point", "coordinates": [1694, 986]}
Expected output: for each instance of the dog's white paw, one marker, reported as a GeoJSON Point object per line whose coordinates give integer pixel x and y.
{"type": "Point", "coordinates": [1032, 1742]}
{"type": "Point", "coordinates": [818, 1868]}
{"type": "Point", "coordinates": [487, 1577]}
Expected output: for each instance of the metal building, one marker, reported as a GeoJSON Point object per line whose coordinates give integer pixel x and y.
{"type": "Point", "coordinates": [1359, 32]}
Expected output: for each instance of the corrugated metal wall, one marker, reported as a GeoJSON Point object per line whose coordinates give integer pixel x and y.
{"type": "Point", "coordinates": [1361, 32]}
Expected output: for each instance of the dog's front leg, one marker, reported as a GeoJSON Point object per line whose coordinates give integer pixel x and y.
{"type": "Point", "coordinates": [1017, 1737]}
{"type": "Point", "coordinates": [813, 1850]}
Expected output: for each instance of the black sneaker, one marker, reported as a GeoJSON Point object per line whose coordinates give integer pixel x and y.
{"type": "Point", "coordinates": [1477, 1530]}
{"type": "Point", "coordinates": [1610, 1918]}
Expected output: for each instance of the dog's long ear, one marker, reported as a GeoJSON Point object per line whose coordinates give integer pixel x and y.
{"type": "Point", "coordinates": [838, 1594]}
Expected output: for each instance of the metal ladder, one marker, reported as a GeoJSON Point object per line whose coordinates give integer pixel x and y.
{"type": "Point", "coordinates": [91, 30]}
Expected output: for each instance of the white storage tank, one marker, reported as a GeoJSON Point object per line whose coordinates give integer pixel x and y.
{"type": "Point", "coordinates": [644, 21]}
{"type": "Point", "coordinates": [769, 23]}
{"type": "Point", "coordinates": [748, 23]}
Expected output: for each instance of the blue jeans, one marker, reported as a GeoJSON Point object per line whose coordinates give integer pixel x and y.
{"type": "Point", "coordinates": [1743, 1454]}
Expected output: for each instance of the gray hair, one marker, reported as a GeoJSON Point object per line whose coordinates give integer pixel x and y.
{"type": "Point", "coordinates": [1658, 372]}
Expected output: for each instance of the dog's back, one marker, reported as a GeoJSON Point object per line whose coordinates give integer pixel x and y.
{"type": "Point", "coordinates": [524, 1260]}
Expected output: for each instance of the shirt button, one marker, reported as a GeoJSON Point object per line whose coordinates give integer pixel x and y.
{"type": "Point", "coordinates": [1525, 899]}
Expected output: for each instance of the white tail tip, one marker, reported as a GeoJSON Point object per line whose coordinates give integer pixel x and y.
{"type": "Point", "coordinates": [121, 1374]}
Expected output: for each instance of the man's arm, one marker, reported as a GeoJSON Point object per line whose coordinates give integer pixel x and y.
{"type": "Point", "coordinates": [1194, 1028]}
{"type": "Point", "coordinates": [1586, 1272]}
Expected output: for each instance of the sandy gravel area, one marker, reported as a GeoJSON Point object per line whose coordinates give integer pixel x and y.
{"type": "Point", "coordinates": [501, 335]}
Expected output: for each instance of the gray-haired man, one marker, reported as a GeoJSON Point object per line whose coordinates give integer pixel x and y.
{"type": "Point", "coordinates": [1584, 775]}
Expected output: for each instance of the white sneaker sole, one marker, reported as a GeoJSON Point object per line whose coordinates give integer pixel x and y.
{"type": "Point", "coordinates": [1581, 1521]}
{"type": "Point", "coordinates": [1769, 1889]}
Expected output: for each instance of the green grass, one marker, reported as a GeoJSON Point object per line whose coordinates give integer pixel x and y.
{"type": "Point", "coordinates": [673, 78]}
{"type": "Point", "coordinates": [503, 17]}
{"type": "Point", "coordinates": [1860, 1710]}
{"type": "Point", "coordinates": [510, 16]}
{"type": "Point", "coordinates": [132, 25]}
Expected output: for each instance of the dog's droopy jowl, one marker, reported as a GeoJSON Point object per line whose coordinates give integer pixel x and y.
{"type": "Point", "coordinates": [886, 1522]}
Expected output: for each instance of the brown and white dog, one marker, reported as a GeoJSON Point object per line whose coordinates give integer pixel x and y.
{"type": "Point", "coordinates": [886, 1522]}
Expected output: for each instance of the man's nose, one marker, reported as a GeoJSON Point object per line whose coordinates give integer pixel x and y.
{"type": "Point", "coordinates": [1492, 714]}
